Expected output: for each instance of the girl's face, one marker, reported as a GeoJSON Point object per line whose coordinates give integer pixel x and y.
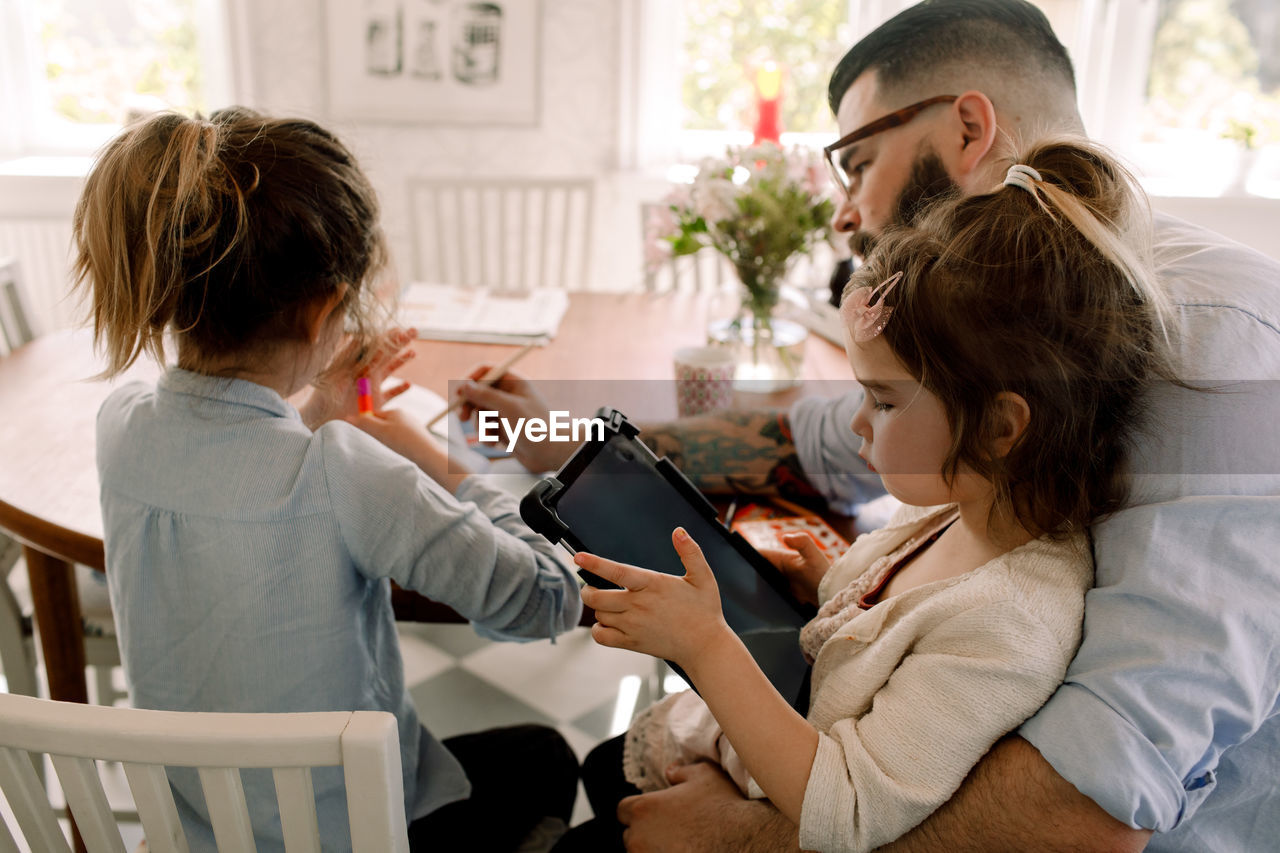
{"type": "Point", "coordinates": [904, 431]}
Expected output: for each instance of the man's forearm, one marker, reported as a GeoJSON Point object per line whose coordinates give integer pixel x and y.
{"type": "Point", "coordinates": [770, 830]}
{"type": "Point", "coordinates": [1015, 801]}
{"type": "Point", "coordinates": [749, 452]}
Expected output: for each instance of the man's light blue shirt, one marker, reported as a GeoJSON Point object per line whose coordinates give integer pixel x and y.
{"type": "Point", "coordinates": [249, 563]}
{"type": "Point", "coordinates": [1170, 715]}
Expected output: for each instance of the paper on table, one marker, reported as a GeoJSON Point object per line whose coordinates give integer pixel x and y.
{"type": "Point", "coordinates": [481, 315]}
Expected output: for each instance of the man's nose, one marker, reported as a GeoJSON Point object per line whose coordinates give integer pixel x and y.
{"type": "Point", "coordinates": [846, 219]}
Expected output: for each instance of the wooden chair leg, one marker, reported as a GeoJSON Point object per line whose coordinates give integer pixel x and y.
{"type": "Point", "coordinates": [57, 610]}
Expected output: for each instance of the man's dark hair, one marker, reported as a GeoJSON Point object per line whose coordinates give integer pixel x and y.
{"type": "Point", "coordinates": [1012, 34]}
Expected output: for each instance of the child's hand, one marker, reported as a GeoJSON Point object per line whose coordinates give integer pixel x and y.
{"type": "Point", "coordinates": [655, 613]}
{"type": "Point", "coordinates": [333, 392]}
{"type": "Point", "coordinates": [804, 566]}
{"type": "Point", "coordinates": [407, 436]}
{"type": "Point", "coordinates": [397, 430]}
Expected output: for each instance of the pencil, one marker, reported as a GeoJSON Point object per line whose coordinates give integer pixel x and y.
{"type": "Point", "coordinates": [490, 376]}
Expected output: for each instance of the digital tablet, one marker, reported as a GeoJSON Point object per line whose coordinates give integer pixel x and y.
{"type": "Point", "coordinates": [616, 499]}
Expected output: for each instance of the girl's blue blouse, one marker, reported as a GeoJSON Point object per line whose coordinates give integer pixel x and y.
{"type": "Point", "coordinates": [249, 563]}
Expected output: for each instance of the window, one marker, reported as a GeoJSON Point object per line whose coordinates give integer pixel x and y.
{"type": "Point", "coordinates": [1211, 121]}
{"type": "Point", "coordinates": [727, 41]}
{"type": "Point", "coordinates": [1187, 90]}
{"type": "Point", "coordinates": [73, 70]}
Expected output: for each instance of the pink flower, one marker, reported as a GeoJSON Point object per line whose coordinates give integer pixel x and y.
{"type": "Point", "coordinates": [715, 199]}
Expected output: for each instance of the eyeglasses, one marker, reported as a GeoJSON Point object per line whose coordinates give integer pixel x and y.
{"type": "Point", "coordinates": [880, 125]}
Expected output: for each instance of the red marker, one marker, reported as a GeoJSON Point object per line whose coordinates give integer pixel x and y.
{"type": "Point", "coordinates": [365, 397]}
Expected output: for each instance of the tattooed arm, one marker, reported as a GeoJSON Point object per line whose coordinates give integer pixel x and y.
{"type": "Point", "coordinates": [748, 452]}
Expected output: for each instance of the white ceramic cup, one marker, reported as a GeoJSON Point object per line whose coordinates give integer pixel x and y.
{"type": "Point", "coordinates": [704, 379]}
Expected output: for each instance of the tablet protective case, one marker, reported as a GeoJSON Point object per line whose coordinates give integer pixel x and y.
{"type": "Point", "coordinates": [615, 498]}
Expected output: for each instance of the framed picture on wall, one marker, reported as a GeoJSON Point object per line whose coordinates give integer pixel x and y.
{"type": "Point", "coordinates": [434, 61]}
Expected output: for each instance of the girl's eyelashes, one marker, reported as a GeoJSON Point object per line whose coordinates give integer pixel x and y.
{"type": "Point", "coordinates": [880, 405]}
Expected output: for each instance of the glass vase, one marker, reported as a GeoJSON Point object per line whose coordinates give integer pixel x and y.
{"type": "Point", "coordinates": [768, 349]}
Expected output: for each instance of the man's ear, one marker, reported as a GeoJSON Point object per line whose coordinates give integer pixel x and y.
{"type": "Point", "coordinates": [975, 116]}
{"type": "Point", "coordinates": [315, 315]}
{"type": "Point", "coordinates": [1009, 419]}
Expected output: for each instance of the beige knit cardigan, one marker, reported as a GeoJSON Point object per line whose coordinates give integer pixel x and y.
{"type": "Point", "coordinates": [908, 695]}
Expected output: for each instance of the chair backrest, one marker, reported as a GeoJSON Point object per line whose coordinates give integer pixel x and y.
{"type": "Point", "coordinates": [364, 743]}
{"type": "Point", "coordinates": [15, 319]}
{"type": "Point", "coordinates": [508, 234]}
{"type": "Point", "coordinates": [17, 656]}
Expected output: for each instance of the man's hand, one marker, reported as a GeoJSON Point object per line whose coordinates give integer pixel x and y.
{"type": "Point", "coordinates": [703, 812]}
{"type": "Point", "coordinates": [513, 397]}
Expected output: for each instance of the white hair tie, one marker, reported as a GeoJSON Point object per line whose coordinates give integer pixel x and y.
{"type": "Point", "coordinates": [1022, 175]}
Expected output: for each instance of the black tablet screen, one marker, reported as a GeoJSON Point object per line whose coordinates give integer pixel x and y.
{"type": "Point", "coordinates": [622, 507]}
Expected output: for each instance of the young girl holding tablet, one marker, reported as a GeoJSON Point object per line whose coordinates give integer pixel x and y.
{"type": "Point", "coordinates": [1001, 342]}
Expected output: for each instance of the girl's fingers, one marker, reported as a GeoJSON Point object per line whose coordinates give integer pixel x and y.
{"type": "Point", "coordinates": [394, 391]}
{"type": "Point", "coordinates": [808, 548]}
{"type": "Point", "coordinates": [611, 637]}
{"type": "Point", "coordinates": [393, 343]}
{"type": "Point", "coordinates": [401, 358]}
{"type": "Point", "coordinates": [605, 600]}
{"type": "Point", "coordinates": [628, 577]}
{"type": "Point", "coordinates": [695, 564]}
{"type": "Point", "coordinates": [779, 557]}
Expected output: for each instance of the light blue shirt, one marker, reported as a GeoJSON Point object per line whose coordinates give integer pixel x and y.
{"type": "Point", "coordinates": [249, 563]}
{"type": "Point", "coordinates": [1170, 715]}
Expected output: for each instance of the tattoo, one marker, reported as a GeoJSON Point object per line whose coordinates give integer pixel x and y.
{"type": "Point", "coordinates": [749, 453]}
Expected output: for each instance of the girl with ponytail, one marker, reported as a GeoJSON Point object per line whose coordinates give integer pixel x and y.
{"type": "Point", "coordinates": [1001, 341]}
{"type": "Point", "coordinates": [250, 545]}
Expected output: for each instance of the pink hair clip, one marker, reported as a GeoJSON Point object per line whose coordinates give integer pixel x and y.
{"type": "Point", "coordinates": [866, 310]}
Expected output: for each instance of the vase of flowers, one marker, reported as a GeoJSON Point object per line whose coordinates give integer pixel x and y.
{"type": "Point", "coordinates": [761, 207]}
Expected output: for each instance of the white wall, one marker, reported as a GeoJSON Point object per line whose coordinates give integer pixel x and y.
{"type": "Point", "coordinates": [576, 135]}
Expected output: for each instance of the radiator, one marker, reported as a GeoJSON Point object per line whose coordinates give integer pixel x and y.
{"type": "Point", "coordinates": [43, 250]}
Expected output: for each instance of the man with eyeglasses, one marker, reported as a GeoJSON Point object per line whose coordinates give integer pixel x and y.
{"type": "Point", "coordinates": [1169, 720]}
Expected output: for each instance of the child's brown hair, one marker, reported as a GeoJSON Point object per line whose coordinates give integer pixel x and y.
{"type": "Point", "coordinates": [223, 231]}
{"type": "Point", "coordinates": [1042, 288]}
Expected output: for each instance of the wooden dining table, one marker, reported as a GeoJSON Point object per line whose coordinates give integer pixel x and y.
{"type": "Point", "coordinates": [49, 400]}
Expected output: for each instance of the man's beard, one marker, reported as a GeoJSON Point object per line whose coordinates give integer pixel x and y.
{"type": "Point", "coordinates": [927, 183]}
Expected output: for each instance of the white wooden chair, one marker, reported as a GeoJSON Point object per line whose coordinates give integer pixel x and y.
{"type": "Point", "coordinates": [17, 648]}
{"type": "Point", "coordinates": [509, 234]}
{"type": "Point", "coordinates": [364, 743]}
{"type": "Point", "coordinates": [15, 324]}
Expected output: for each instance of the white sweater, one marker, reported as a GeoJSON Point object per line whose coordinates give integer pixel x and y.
{"type": "Point", "coordinates": [908, 695]}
